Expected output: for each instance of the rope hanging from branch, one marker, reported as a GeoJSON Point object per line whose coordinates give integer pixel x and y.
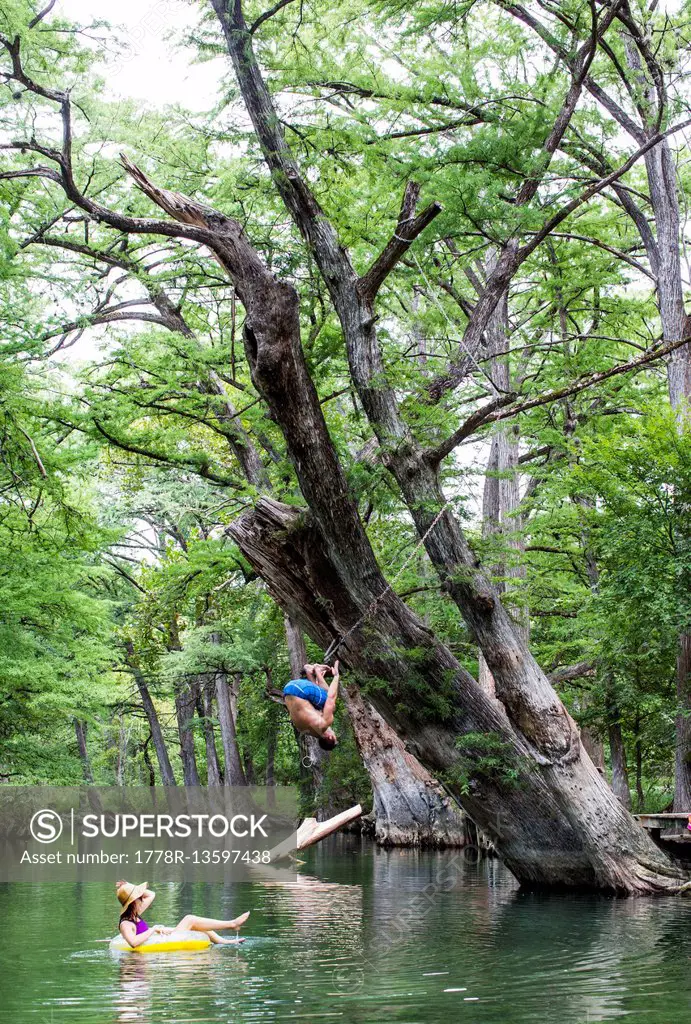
{"type": "Point", "coordinates": [333, 647]}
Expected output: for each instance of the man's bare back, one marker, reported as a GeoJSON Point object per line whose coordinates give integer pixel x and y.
{"type": "Point", "coordinates": [311, 703]}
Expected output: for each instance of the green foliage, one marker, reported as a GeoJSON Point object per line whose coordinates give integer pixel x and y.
{"type": "Point", "coordinates": [483, 757]}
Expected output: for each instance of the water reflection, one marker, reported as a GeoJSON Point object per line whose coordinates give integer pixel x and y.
{"type": "Point", "coordinates": [134, 993]}
{"type": "Point", "coordinates": [184, 979]}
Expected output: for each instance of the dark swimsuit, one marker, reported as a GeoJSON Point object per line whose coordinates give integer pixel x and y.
{"type": "Point", "coordinates": [142, 926]}
{"type": "Point", "coordinates": [313, 694]}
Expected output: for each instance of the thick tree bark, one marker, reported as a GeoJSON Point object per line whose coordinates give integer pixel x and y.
{"type": "Point", "coordinates": [185, 702]}
{"type": "Point", "coordinates": [164, 765]}
{"type": "Point", "coordinates": [410, 807]}
{"type": "Point", "coordinates": [233, 773]}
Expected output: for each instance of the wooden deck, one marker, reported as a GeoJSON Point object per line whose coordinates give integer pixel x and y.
{"type": "Point", "coordinates": [669, 828]}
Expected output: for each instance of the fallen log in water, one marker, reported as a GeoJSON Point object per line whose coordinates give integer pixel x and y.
{"type": "Point", "coordinates": [312, 831]}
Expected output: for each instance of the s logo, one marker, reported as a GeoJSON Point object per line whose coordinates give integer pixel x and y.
{"type": "Point", "coordinates": [46, 826]}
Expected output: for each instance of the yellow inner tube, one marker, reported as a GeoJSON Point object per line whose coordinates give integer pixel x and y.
{"type": "Point", "coordinates": [177, 942]}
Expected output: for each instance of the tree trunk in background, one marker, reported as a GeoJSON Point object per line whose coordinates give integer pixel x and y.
{"type": "Point", "coordinates": [271, 741]}
{"type": "Point", "coordinates": [235, 682]}
{"type": "Point", "coordinates": [164, 765]}
{"type": "Point", "coordinates": [617, 750]}
{"type": "Point", "coordinates": [122, 752]}
{"type": "Point", "coordinates": [185, 701]}
{"type": "Point", "coordinates": [490, 524]}
{"type": "Point", "coordinates": [682, 789]}
{"type": "Point", "coordinates": [620, 771]}
{"type": "Point", "coordinates": [638, 746]}
{"type": "Point", "coordinates": [205, 710]}
{"type": "Point", "coordinates": [501, 493]}
{"type": "Point", "coordinates": [500, 502]}
{"type": "Point", "coordinates": [410, 807]}
{"type": "Point", "coordinates": [80, 732]}
{"type": "Point", "coordinates": [272, 726]}
{"type": "Point", "coordinates": [233, 774]}
{"type": "Point", "coordinates": [313, 760]}
{"type": "Point", "coordinates": [595, 747]}
{"type": "Point", "coordinates": [148, 762]}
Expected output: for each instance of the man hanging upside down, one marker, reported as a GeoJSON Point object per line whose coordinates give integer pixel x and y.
{"type": "Point", "coordinates": [311, 703]}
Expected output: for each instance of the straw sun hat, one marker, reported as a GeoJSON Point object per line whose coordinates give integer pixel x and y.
{"type": "Point", "coordinates": [128, 893]}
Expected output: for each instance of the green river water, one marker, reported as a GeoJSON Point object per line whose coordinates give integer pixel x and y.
{"type": "Point", "coordinates": [356, 935]}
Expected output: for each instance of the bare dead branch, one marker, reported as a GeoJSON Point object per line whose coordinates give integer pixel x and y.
{"type": "Point", "coordinates": [408, 228]}
{"type": "Point", "coordinates": [569, 672]}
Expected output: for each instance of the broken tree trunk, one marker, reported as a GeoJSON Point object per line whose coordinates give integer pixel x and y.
{"type": "Point", "coordinates": [410, 807]}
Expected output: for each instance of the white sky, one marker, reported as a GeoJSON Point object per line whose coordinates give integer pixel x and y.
{"type": "Point", "coordinates": [154, 70]}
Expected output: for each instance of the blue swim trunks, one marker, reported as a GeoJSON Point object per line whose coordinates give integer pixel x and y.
{"type": "Point", "coordinates": [307, 690]}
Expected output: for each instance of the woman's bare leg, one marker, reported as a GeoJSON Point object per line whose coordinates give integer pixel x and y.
{"type": "Point", "coordinates": [192, 923]}
{"type": "Point", "coordinates": [218, 940]}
